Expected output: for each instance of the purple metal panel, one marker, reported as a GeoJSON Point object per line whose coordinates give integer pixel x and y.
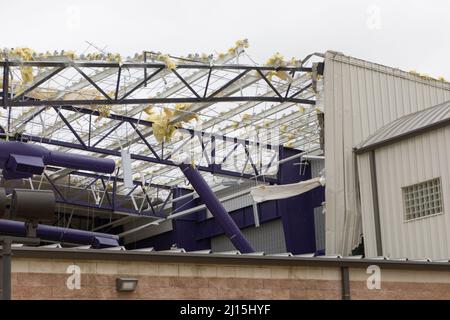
{"type": "Point", "coordinates": [297, 212]}
{"type": "Point", "coordinates": [52, 233]}
{"type": "Point", "coordinates": [216, 208]}
{"type": "Point", "coordinates": [186, 228]}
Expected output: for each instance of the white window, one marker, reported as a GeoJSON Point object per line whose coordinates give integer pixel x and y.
{"type": "Point", "coordinates": [422, 199]}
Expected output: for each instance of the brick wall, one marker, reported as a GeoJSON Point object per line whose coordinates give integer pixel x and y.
{"type": "Point", "coordinates": [46, 279]}
{"type": "Point", "coordinates": [402, 285]}
{"type": "Point", "coordinates": [35, 278]}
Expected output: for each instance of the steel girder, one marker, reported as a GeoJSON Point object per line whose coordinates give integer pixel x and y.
{"type": "Point", "coordinates": [125, 99]}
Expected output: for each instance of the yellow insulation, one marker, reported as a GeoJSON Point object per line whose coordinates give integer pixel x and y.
{"type": "Point", "coordinates": [104, 110]}
{"type": "Point", "coordinates": [426, 76]}
{"type": "Point", "coordinates": [289, 144]}
{"type": "Point", "coordinates": [180, 109]}
{"type": "Point", "coordinates": [170, 64]}
{"type": "Point", "coordinates": [26, 54]}
{"type": "Point", "coordinates": [246, 117]}
{"type": "Point", "coordinates": [70, 54]}
{"type": "Point", "coordinates": [240, 44]}
{"type": "Point", "coordinates": [149, 110]}
{"type": "Point", "coordinates": [163, 128]}
{"type": "Point", "coordinates": [277, 60]}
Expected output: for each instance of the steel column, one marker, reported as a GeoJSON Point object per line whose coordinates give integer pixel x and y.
{"type": "Point", "coordinates": [216, 208]}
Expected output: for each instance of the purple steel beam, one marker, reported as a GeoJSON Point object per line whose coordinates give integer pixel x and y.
{"type": "Point", "coordinates": [144, 140]}
{"type": "Point", "coordinates": [142, 83]}
{"type": "Point", "coordinates": [106, 191]}
{"type": "Point", "coordinates": [96, 239]}
{"type": "Point", "coordinates": [216, 208]}
{"type": "Point", "coordinates": [92, 82]}
{"type": "Point", "coordinates": [94, 175]}
{"type": "Point", "coordinates": [19, 160]}
{"type": "Point", "coordinates": [108, 134]}
{"type": "Point", "coordinates": [91, 64]}
{"type": "Point", "coordinates": [5, 84]}
{"type": "Point", "coordinates": [185, 83]}
{"type": "Point", "coordinates": [117, 207]}
{"type": "Point", "coordinates": [122, 101]}
{"type": "Point", "coordinates": [112, 207]}
{"type": "Point", "coordinates": [212, 169]}
{"type": "Point", "coordinates": [54, 187]}
{"type": "Point", "coordinates": [249, 157]}
{"type": "Point", "coordinates": [146, 123]}
{"type": "Point", "coordinates": [68, 125]}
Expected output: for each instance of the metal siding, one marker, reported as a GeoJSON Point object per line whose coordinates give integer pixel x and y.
{"type": "Point", "coordinates": [237, 203]}
{"type": "Point", "coordinates": [412, 122]}
{"type": "Point", "coordinates": [367, 208]}
{"type": "Point", "coordinates": [269, 238]}
{"type": "Point", "coordinates": [359, 98]}
{"type": "Point", "coordinates": [316, 167]}
{"type": "Point", "coordinates": [405, 163]}
{"type": "Point", "coordinates": [151, 231]}
{"type": "Point", "coordinates": [319, 225]}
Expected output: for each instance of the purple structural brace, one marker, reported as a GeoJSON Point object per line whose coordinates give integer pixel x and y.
{"type": "Point", "coordinates": [196, 231]}
{"type": "Point", "coordinates": [23, 160]}
{"type": "Point", "coordinates": [59, 234]}
{"type": "Point", "coordinates": [216, 208]}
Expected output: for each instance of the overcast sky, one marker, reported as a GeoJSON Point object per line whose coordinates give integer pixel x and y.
{"type": "Point", "coordinates": [405, 34]}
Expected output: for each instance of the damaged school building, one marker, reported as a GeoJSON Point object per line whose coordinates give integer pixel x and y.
{"type": "Point", "coordinates": [210, 176]}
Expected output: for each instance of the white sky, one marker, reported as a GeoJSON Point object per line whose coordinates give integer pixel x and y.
{"type": "Point", "coordinates": [398, 33]}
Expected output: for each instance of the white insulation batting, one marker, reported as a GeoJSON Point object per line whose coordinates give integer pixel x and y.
{"type": "Point", "coordinates": [264, 193]}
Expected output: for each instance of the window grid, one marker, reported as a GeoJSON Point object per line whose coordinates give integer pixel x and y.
{"type": "Point", "coordinates": [422, 199]}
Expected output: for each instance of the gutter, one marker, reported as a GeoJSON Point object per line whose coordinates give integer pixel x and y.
{"type": "Point", "coordinates": [241, 259]}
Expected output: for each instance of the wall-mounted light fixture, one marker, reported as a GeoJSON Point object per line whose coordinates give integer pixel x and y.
{"type": "Point", "coordinates": [126, 284]}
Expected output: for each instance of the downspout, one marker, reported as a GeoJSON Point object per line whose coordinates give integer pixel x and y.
{"type": "Point", "coordinates": [216, 208]}
{"type": "Point", "coordinates": [345, 283]}
{"type": "Point", "coordinates": [376, 204]}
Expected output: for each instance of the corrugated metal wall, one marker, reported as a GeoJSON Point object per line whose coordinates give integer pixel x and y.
{"type": "Point", "coordinates": [359, 98]}
{"type": "Point", "coordinates": [367, 209]}
{"type": "Point", "coordinates": [402, 164]}
{"type": "Point", "coordinates": [243, 201]}
{"type": "Point", "coordinates": [316, 167]}
{"type": "Point", "coordinates": [319, 216]}
{"type": "Point", "coordinates": [269, 238]}
{"type": "Point", "coordinates": [319, 227]}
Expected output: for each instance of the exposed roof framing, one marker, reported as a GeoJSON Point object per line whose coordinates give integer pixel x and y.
{"type": "Point", "coordinates": [237, 104]}
{"type": "Point", "coordinates": [134, 95]}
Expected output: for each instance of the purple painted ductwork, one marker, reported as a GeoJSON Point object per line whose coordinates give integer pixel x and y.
{"type": "Point", "coordinates": [216, 208]}
{"type": "Point", "coordinates": [23, 160]}
{"type": "Point", "coordinates": [52, 233]}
